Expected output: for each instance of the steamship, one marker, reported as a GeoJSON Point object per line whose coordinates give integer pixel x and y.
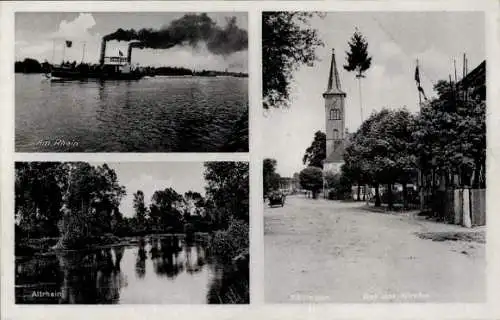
{"type": "Point", "coordinates": [109, 68]}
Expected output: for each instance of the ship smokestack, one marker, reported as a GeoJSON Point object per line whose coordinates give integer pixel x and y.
{"type": "Point", "coordinates": [103, 52]}
{"type": "Point", "coordinates": [129, 53]}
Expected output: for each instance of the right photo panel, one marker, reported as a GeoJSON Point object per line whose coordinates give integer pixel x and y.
{"type": "Point", "coordinates": [374, 164]}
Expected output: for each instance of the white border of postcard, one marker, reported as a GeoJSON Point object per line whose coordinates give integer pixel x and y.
{"type": "Point", "coordinates": [257, 309]}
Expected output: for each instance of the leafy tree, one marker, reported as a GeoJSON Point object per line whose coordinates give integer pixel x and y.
{"type": "Point", "coordinates": [76, 201]}
{"type": "Point", "coordinates": [165, 209]}
{"type": "Point", "coordinates": [91, 196]}
{"type": "Point", "coordinates": [352, 169]}
{"type": "Point", "coordinates": [358, 60]}
{"type": "Point", "coordinates": [332, 179]}
{"type": "Point", "coordinates": [140, 208]}
{"type": "Point", "coordinates": [228, 188]}
{"type": "Point", "coordinates": [288, 42]}
{"type": "Point", "coordinates": [450, 136]}
{"type": "Point", "coordinates": [316, 152]}
{"type": "Point", "coordinates": [194, 203]}
{"type": "Point", "coordinates": [271, 177]}
{"type": "Point", "coordinates": [38, 197]}
{"type": "Point", "coordinates": [338, 183]}
{"type": "Point", "coordinates": [380, 151]}
{"type": "Point", "coordinates": [311, 178]}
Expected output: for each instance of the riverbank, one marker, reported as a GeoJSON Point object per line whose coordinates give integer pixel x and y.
{"type": "Point", "coordinates": [157, 269]}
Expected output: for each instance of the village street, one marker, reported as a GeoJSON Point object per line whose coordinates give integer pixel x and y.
{"type": "Point", "coordinates": [332, 251]}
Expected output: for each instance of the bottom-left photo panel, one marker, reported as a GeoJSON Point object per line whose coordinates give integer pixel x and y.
{"type": "Point", "coordinates": [132, 233]}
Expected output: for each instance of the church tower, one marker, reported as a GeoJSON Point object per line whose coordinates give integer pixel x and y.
{"type": "Point", "coordinates": [335, 119]}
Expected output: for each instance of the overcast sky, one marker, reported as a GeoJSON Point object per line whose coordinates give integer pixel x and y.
{"type": "Point", "coordinates": [35, 34]}
{"type": "Point", "coordinates": [396, 40]}
{"type": "Point", "coordinates": [152, 176]}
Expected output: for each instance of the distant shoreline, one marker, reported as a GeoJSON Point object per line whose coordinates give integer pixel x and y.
{"type": "Point", "coordinates": [45, 246]}
{"type": "Point", "coordinates": [164, 76]}
{"type": "Point", "coordinates": [33, 66]}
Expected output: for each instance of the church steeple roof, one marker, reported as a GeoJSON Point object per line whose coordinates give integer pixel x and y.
{"type": "Point", "coordinates": [333, 79]}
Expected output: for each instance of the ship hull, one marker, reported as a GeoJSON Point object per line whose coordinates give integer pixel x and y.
{"type": "Point", "coordinates": [76, 75]}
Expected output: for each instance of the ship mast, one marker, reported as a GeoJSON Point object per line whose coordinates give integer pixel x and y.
{"type": "Point", "coordinates": [53, 50]}
{"type": "Point", "coordinates": [83, 51]}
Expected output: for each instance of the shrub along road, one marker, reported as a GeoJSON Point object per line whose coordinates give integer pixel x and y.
{"type": "Point", "coordinates": [332, 251]}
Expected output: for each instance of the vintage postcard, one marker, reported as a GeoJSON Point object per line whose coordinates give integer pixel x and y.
{"type": "Point", "coordinates": [250, 159]}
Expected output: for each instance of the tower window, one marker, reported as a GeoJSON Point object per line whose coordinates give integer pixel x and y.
{"type": "Point", "coordinates": [335, 134]}
{"type": "Point", "coordinates": [334, 114]}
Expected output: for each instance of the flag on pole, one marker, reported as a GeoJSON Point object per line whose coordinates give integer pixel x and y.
{"type": "Point", "coordinates": [69, 43]}
{"type": "Point", "coordinates": [120, 53]}
{"type": "Point", "coordinates": [423, 93]}
{"type": "Point", "coordinates": [417, 79]}
{"type": "Point", "coordinates": [417, 75]}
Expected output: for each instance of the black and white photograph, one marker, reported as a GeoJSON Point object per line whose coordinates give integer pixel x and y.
{"type": "Point", "coordinates": [131, 233]}
{"type": "Point", "coordinates": [131, 82]}
{"type": "Point", "coordinates": [374, 157]}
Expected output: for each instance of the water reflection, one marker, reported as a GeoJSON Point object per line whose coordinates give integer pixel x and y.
{"type": "Point", "coordinates": [140, 264]}
{"type": "Point", "coordinates": [81, 270]}
{"type": "Point", "coordinates": [147, 272]}
{"type": "Point", "coordinates": [165, 256]}
{"type": "Point", "coordinates": [151, 115]}
{"type": "Point", "coordinates": [230, 284]}
{"type": "Point", "coordinates": [195, 259]}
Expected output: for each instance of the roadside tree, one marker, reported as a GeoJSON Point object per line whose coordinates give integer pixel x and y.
{"type": "Point", "coordinates": [311, 178]}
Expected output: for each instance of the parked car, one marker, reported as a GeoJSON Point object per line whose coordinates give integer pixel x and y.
{"type": "Point", "coordinates": [276, 198]}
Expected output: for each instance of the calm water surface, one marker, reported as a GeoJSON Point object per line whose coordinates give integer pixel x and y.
{"type": "Point", "coordinates": [159, 114]}
{"type": "Point", "coordinates": [164, 270]}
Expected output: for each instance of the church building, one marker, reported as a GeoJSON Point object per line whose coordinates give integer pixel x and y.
{"type": "Point", "coordinates": [335, 120]}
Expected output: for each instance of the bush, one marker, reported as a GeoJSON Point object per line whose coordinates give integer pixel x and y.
{"type": "Point", "coordinates": [334, 194]}
{"type": "Point", "coordinates": [232, 242]}
{"type": "Point", "coordinates": [397, 197]}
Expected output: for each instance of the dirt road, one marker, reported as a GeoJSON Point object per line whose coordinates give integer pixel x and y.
{"type": "Point", "coordinates": [331, 251]}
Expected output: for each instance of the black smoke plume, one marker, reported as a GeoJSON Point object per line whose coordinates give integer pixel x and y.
{"type": "Point", "coordinates": [188, 30]}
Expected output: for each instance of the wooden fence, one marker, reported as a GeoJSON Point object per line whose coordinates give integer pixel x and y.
{"type": "Point", "coordinates": [465, 207]}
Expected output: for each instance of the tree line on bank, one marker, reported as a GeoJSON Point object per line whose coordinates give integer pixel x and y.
{"type": "Point", "coordinates": [79, 203]}
{"type": "Point", "coordinates": [444, 143]}
{"type": "Point", "coordinates": [30, 65]}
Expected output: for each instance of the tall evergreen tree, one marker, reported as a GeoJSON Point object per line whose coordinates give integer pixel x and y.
{"type": "Point", "coordinates": [358, 60]}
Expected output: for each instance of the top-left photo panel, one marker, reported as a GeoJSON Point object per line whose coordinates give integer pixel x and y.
{"type": "Point", "coordinates": [131, 82]}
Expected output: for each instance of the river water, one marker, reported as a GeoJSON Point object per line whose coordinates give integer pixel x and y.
{"type": "Point", "coordinates": [166, 270]}
{"type": "Point", "coordinates": [159, 114]}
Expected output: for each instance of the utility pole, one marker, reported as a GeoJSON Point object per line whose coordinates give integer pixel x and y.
{"type": "Point", "coordinates": [420, 179]}
{"type": "Point", "coordinates": [359, 76]}
{"type": "Point", "coordinates": [455, 69]}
